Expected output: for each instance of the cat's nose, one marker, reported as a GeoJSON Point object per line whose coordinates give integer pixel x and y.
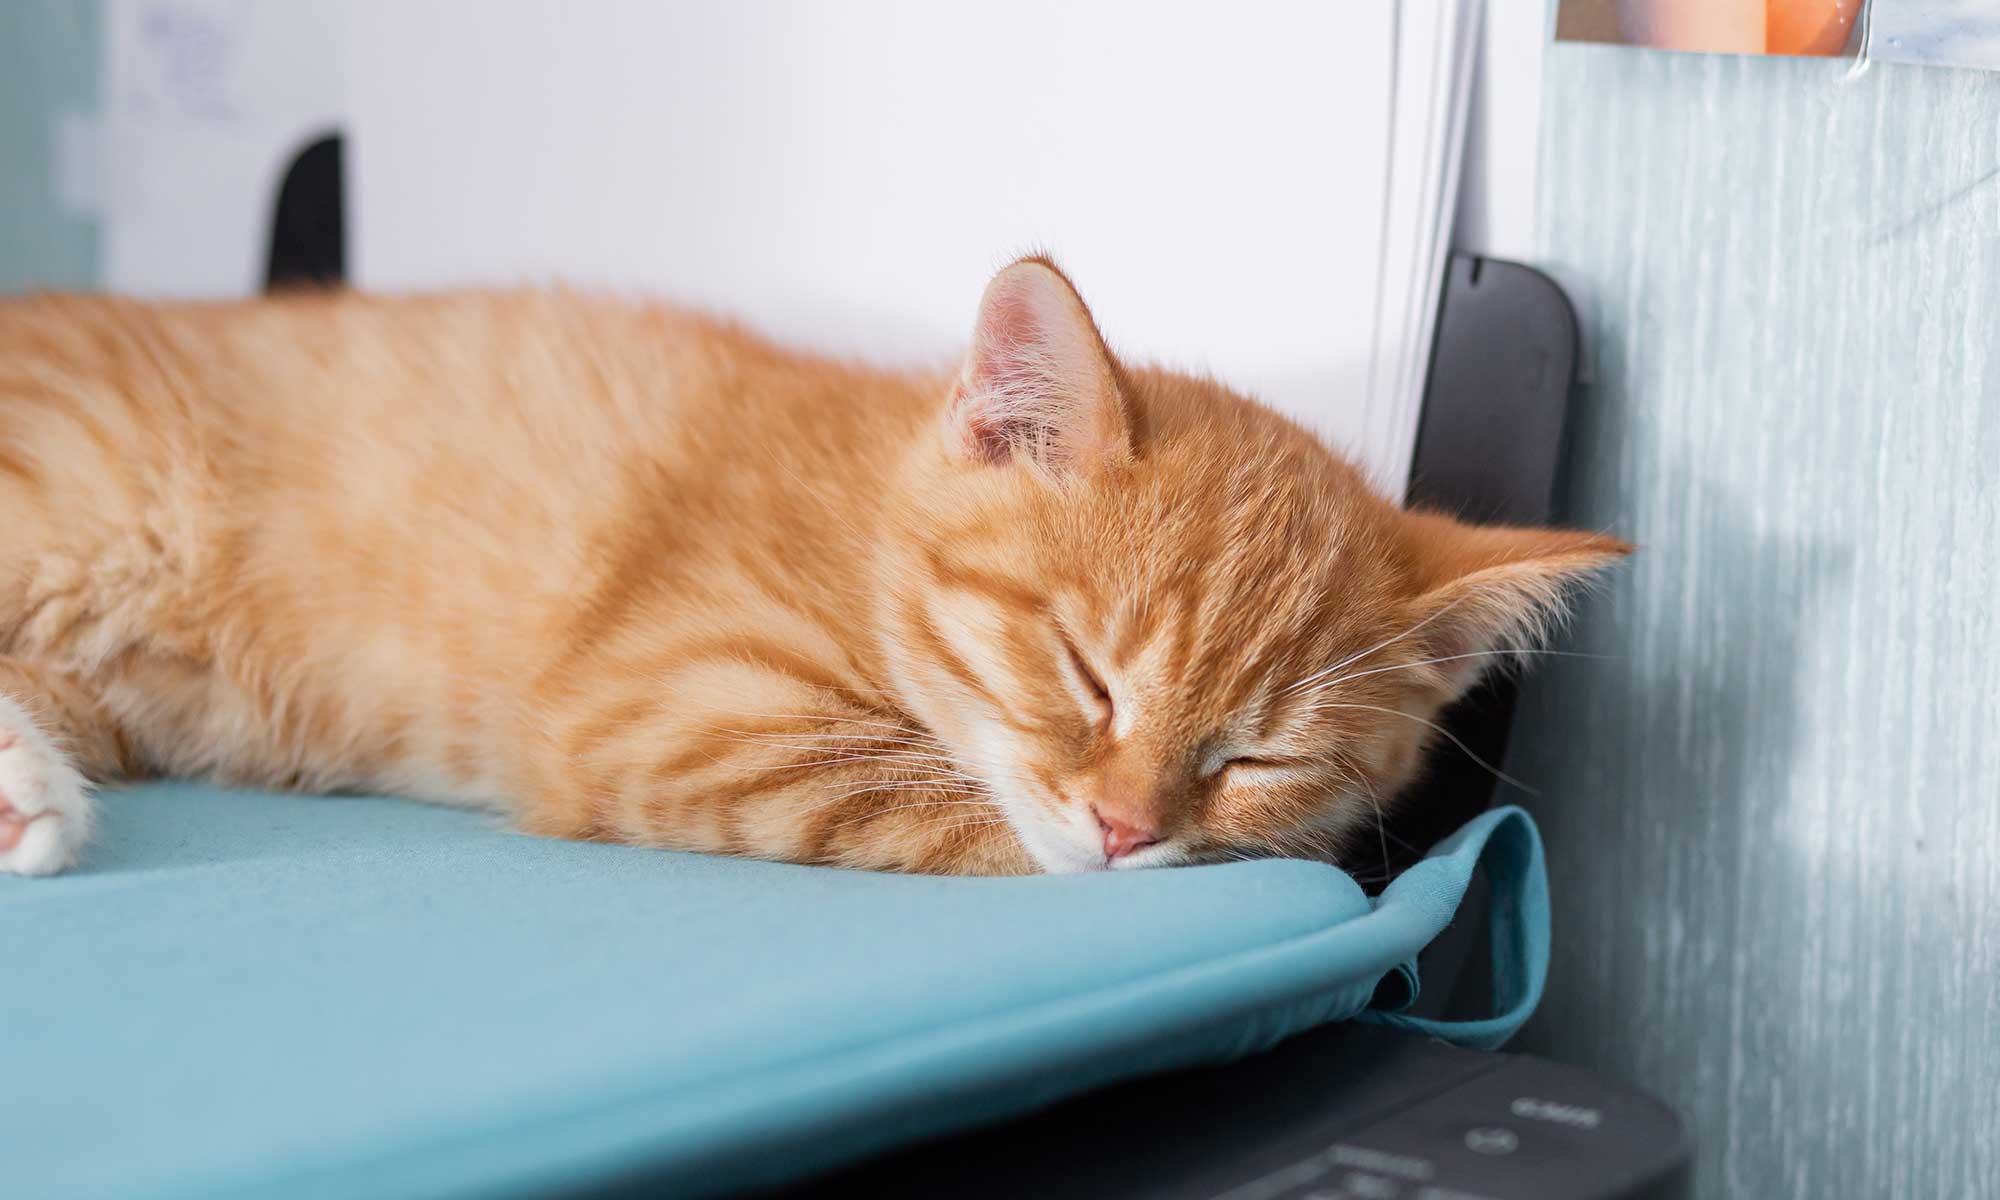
{"type": "Point", "coordinates": [1121, 835]}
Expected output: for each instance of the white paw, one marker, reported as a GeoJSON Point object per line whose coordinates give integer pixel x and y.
{"type": "Point", "coordinates": [44, 804]}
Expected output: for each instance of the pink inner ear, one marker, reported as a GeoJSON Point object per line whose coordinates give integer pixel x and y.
{"type": "Point", "coordinates": [1030, 341]}
{"type": "Point", "coordinates": [1007, 325]}
{"type": "Point", "coordinates": [989, 437]}
{"type": "Point", "coordinates": [1004, 356]}
{"type": "Point", "coordinates": [1038, 383]}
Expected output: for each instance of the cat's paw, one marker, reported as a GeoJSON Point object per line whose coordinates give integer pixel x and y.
{"type": "Point", "coordinates": [44, 803]}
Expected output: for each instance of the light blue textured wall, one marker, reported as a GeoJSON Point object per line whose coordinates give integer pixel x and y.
{"type": "Point", "coordinates": [1774, 812]}
{"type": "Point", "coordinates": [48, 66]}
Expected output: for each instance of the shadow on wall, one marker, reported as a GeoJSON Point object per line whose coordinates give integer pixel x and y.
{"type": "Point", "coordinates": [1664, 780]}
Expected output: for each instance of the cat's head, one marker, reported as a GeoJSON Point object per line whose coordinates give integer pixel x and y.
{"type": "Point", "coordinates": [1162, 623]}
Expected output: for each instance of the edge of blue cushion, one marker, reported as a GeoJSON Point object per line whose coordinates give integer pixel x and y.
{"type": "Point", "coordinates": [1506, 841]}
{"type": "Point", "coordinates": [773, 1125]}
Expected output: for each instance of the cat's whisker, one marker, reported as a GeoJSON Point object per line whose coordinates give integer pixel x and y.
{"type": "Point", "coordinates": [934, 772]}
{"type": "Point", "coordinates": [859, 741]}
{"type": "Point", "coordinates": [1381, 826]}
{"type": "Point", "coordinates": [907, 782]}
{"type": "Point", "coordinates": [870, 738]}
{"type": "Point", "coordinates": [837, 801]}
{"type": "Point", "coordinates": [971, 822]}
{"type": "Point", "coordinates": [843, 760]}
{"type": "Point", "coordinates": [964, 828]}
{"type": "Point", "coordinates": [944, 787]}
{"type": "Point", "coordinates": [849, 731]}
{"type": "Point", "coordinates": [1502, 653]}
{"type": "Point", "coordinates": [836, 751]}
{"type": "Point", "coordinates": [1455, 740]}
{"type": "Point", "coordinates": [1403, 843]}
{"type": "Point", "coordinates": [841, 718]}
{"type": "Point", "coordinates": [908, 786]}
{"type": "Point", "coordinates": [960, 799]}
{"type": "Point", "coordinates": [1273, 846]}
{"type": "Point", "coordinates": [1357, 780]}
{"type": "Point", "coordinates": [907, 760]}
{"type": "Point", "coordinates": [873, 813]}
{"type": "Point", "coordinates": [1381, 645]}
{"type": "Point", "coordinates": [921, 772]}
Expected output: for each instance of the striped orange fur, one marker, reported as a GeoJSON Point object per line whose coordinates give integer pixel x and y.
{"type": "Point", "coordinates": [628, 573]}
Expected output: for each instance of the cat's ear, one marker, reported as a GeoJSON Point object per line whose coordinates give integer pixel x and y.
{"type": "Point", "coordinates": [1488, 594]}
{"type": "Point", "coordinates": [1038, 387]}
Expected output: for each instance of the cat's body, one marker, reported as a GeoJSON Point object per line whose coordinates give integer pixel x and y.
{"type": "Point", "coordinates": [627, 573]}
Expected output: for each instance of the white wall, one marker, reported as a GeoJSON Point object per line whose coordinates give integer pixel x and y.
{"type": "Point", "coordinates": [848, 175]}
{"type": "Point", "coordinates": [205, 103]}
{"type": "Point", "coordinates": [1496, 197]}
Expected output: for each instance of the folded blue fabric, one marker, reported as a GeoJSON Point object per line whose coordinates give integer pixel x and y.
{"type": "Point", "coordinates": [252, 995]}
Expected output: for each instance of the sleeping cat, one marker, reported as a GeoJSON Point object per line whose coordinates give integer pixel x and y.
{"type": "Point", "coordinates": [630, 574]}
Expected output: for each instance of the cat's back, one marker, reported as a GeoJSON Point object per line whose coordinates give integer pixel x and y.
{"type": "Point", "coordinates": [487, 405]}
{"type": "Point", "coordinates": [527, 418]}
{"type": "Point", "coordinates": [416, 499]}
{"type": "Point", "coordinates": [505, 361]}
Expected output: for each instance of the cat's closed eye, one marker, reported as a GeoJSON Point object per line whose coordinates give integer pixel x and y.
{"type": "Point", "coordinates": [1092, 684]}
{"type": "Point", "coordinates": [1248, 766]}
{"type": "Point", "coordinates": [1253, 762]}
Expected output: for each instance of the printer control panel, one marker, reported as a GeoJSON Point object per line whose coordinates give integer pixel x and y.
{"type": "Point", "coordinates": [1526, 1129]}
{"type": "Point", "coordinates": [1345, 1112]}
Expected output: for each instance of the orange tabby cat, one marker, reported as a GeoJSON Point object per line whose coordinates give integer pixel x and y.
{"type": "Point", "coordinates": [626, 573]}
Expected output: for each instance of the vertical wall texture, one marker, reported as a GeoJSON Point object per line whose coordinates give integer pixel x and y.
{"type": "Point", "coordinates": [1774, 809]}
{"type": "Point", "coordinates": [48, 66]}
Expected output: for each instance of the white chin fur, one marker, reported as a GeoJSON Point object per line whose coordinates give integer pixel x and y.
{"type": "Point", "coordinates": [1054, 850]}
{"type": "Point", "coordinates": [1163, 855]}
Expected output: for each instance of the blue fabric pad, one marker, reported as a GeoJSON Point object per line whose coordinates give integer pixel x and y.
{"type": "Point", "coordinates": [253, 995]}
